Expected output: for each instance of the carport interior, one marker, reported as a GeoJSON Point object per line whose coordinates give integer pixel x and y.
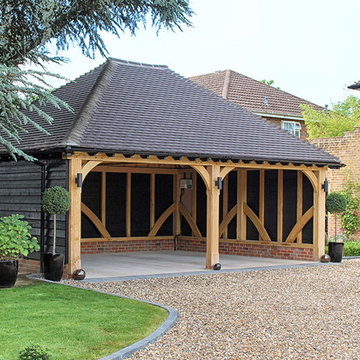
{"type": "Point", "coordinates": [262, 212]}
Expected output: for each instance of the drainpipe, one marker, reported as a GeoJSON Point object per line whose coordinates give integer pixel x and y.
{"type": "Point", "coordinates": [42, 216]}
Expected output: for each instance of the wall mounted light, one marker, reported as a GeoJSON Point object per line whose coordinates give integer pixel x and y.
{"type": "Point", "coordinates": [325, 186]}
{"type": "Point", "coordinates": [78, 180]}
{"type": "Point", "coordinates": [218, 183]}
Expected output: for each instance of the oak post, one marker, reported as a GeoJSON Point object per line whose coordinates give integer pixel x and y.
{"type": "Point", "coordinates": [74, 217]}
{"type": "Point", "coordinates": [213, 208]}
{"type": "Point", "coordinates": [319, 216]}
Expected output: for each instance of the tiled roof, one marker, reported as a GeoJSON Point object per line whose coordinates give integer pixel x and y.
{"type": "Point", "coordinates": [252, 94]}
{"type": "Point", "coordinates": [146, 109]}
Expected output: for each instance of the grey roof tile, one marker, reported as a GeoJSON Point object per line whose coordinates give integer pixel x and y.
{"type": "Point", "coordinates": [147, 109]}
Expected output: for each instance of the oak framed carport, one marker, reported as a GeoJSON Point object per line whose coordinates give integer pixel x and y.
{"type": "Point", "coordinates": [134, 124]}
{"type": "Point", "coordinates": [217, 237]}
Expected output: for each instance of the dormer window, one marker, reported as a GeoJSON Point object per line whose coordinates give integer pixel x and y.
{"type": "Point", "coordinates": [292, 127]}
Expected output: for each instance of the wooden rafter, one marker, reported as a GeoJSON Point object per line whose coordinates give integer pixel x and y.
{"type": "Point", "coordinates": [128, 204]}
{"type": "Point", "coordinates": [95, 220]}
{"type": "Point", "coordinates": [257, 223]}
{"type": "Point", "coordinates": [300, 225]}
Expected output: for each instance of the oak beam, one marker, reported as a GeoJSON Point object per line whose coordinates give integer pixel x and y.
{"type": "Point", "coordinates": [300, 225]}
{"type": "Point", "coordinates": [241, 200]}
{"type": "Point", "coordinates": [225, 205]}
{"type": "Point", "coordinates": [257, 223]}
{"type": "Point", "coordinates": [152, 159]}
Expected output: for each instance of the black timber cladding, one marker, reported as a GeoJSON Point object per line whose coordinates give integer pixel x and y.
{"type": "Point", "coordinates": [147, 109]}
{"type": "Point", "coordinates": [20, 193]}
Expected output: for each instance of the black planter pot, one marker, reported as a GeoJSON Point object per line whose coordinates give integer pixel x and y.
{"type": "Point", "coordinates": [8, 273]}
{"type": "Point", "coordinates": [336, 251]}
{"type": "Point", "coordinates": [53, 266]}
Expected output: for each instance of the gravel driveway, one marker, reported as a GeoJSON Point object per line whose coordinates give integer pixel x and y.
{"type": "Point", "coordinates": [299, 313]}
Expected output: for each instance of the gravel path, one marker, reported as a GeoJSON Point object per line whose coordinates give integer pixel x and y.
{"type": "Point", "coordinates": [302, 313]}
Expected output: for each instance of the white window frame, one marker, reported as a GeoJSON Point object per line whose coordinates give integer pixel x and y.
{"type": "Point", "coordinates": [293, 127]}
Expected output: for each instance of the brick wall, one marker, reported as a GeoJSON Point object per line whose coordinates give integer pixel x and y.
{"type": "Point", "coordinates": [126, 246]}
{"type": "Point", "coordinates": [279, 252]}
{"type": "Point", "coordinates": [347, 149]}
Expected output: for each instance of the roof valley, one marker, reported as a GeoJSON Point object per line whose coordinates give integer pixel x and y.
{"type": "Point", "coordinates": [74, 135]}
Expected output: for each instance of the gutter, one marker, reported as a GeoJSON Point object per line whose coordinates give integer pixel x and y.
{"type": "Point", "coordinates": [42, 216]}
{"type": "Point", "coordinates": [280, 116]}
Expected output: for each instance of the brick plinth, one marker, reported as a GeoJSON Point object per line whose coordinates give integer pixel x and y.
{"type": "Point", "coordinates": [280, 252]}
{"type": "Point", "coordinates": [28, 266]}
{"type": "Point", "coordinates": [126, 246]}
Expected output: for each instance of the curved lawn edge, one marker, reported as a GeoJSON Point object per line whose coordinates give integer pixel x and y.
{"type": "Point", "coordinates": [131, 349]}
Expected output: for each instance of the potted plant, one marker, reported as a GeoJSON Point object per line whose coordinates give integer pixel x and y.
{"type": "Point", "coordinates": [335, 204]}
{"type": "Point", "coordinates": [55, 201]}
{"type": "Point", "coordinates": [15, 241]}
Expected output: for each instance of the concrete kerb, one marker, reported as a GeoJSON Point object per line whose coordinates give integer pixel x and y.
{"type": "Point", "coordinates": [204, 272]}
{"type": "Point", "coordinates": [131, 349]}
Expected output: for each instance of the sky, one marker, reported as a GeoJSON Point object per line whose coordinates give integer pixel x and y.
{"type": "Point", "coordinates": [310, 48]}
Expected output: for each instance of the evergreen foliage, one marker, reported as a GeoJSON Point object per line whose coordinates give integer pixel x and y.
{"type": "Point", "coordinates": [56, 200]}
{"type": "Point", "coordinates": [335, 203]}
{"type": "Point", "coordinates": [27, 28]}
{"type": "Point", "coordinates": [33, 352]}
{"type": "Point", "coordinates": [344, 117]}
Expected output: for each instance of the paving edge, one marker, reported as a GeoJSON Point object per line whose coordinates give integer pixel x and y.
{"type": "Point", "coordinates": [131, 349]}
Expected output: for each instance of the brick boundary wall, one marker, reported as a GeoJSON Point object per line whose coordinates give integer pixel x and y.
{"type": "Point", "coordinates": [347, 149]}
{"type": "Point", "coordinates": [280, 252]}
{"type": "Point", "coordinates": [126, 246]}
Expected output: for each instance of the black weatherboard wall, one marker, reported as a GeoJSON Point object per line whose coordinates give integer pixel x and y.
{"type": "Point", "coordinates": [20, 193]}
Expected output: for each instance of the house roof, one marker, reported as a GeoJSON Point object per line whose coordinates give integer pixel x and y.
{"type": "Point", "coordinates": [252, 94]}
{"type": "Point", "coordinates": [130, 107]}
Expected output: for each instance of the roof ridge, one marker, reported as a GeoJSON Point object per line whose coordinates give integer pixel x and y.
{"type": "Point", "coordinates": [275, 89]}
{"type": "Point", "coordinates": [78, 126]}
{"type": "Point", "coordinates": [134, 63]}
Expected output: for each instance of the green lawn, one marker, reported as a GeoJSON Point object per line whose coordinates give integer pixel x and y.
{"type": "Point", "coordinates": [71, 323]}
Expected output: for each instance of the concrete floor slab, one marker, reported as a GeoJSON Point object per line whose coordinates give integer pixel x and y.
{"type": "Point", "coordinates": [143, 264]}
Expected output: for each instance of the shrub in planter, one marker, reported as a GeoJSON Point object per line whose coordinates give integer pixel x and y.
{"type": "Point", "coordinates": [335, 204]}
{"type": "Point", "coordinates": [56, 200]}
{"type": "Point", "coordinates": [16, 241]}
{"type": "Point", "coordinates": [33, 352]}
